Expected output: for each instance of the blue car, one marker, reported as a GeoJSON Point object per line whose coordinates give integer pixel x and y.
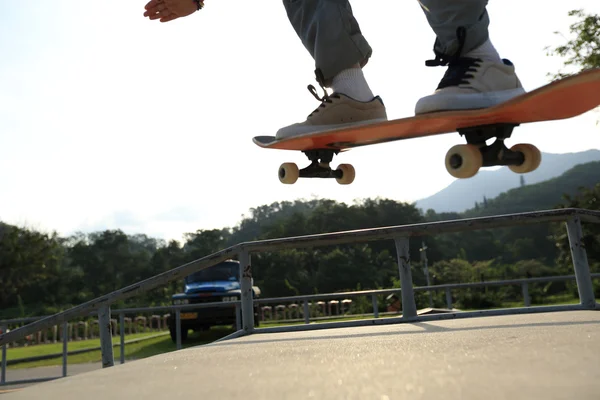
{"type": "Point", "coordinates": [217, 284]}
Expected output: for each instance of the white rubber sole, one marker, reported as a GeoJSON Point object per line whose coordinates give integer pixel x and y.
{"type": "Point", "coordinates": [298, 130]}
{"type": "Point", "coordinates": [468, 101]}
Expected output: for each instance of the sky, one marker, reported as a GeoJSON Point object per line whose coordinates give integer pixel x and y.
{"type": "Point", "coordinates": [111, 121]}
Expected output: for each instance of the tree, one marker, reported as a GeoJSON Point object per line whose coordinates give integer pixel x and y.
{"type": "Point", "coordinates": [583, 51]}
{"type": "Point", "coordinates": [30, 267]}
{"type": "Point", "coordinates": [588, 198]}
{"type": "Point", "coordinates": [203, 243]}
{"type": "Point", "coordinates": [110, 260]}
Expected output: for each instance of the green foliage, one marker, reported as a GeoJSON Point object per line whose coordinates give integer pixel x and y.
{"type": "Point", "coordinates": [542, 195]}
{"type": "Point", "coordinates": [30, 266]}
{"type": "Point", "coordinates": [588, 198]}
{"type": "Point", "coordinates": [583, 50]}
{"type": "Point", "coordinates": [42, 273]}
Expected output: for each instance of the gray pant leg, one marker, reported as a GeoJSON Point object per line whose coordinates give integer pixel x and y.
{"type": "Point", "coordinates": [329, 31]}
{"type": "Point", "coordinates": [445, 16]}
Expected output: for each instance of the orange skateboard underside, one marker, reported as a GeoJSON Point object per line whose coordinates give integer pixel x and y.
{"type": "Point", "coordinates": [561, 99]}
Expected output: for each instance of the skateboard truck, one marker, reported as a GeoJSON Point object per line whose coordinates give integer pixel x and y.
{"type": "Point", "coordinates": [318, 168]}
{"type": "Point", "coordinates": [464, 161]}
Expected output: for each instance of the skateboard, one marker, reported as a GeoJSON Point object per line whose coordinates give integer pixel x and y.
{"type": "Point", "coordinates": [560, 99]}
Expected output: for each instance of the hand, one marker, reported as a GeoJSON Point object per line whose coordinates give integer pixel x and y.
{"type": "Point", "coordinates": [168, 10]}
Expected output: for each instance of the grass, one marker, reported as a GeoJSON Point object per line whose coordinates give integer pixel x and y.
{"type": "Point", "coordinates": [133, 351]}
{"type": "Point", "coordinates": [53, 348]}
{"type": "Point", "coordinates": [269, 324]}
{"type": "Point", "coordinates": [554, 300]}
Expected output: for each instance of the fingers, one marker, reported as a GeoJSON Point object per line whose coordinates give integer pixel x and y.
{"type": "Point", "coordinates": [168, 10]}
{"type": "Point", "coordinates": [151, 4]}
{"type": "Point", "coordinates": [168, 18]}
{"type": "Point", "coordinates": [157, 10]}
{"type": "Point", "coordinates": [154, 16]}
{"type": "Point", "coordinates": [164, 16]}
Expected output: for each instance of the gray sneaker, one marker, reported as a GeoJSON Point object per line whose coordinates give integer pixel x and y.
{"type": "Point", "coordinates": [336, 111]}
{"type": "Point", "coordinates": [470, 83]}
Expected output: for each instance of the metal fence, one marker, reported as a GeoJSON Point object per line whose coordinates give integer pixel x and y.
{"type": "Point", "coordinates": [305, 300]}
{"type": "Point", "coordinates": [399, 234]}
{"type": "Point", "coordinates": [446, 288]}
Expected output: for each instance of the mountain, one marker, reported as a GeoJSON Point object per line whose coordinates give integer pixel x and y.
{"type": "Point", "coordinates": [540, 196]}
{"type": "Point", "coordinates": [462, 194]}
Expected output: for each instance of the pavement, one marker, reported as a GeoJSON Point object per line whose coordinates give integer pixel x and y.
{"type": "Point", "coordinates": [53, 371]}
{"type": "Point", "coordinates": [531, 356]}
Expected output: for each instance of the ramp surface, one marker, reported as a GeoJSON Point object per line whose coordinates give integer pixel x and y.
{"type": "Point", "coordinates": [538, 356]}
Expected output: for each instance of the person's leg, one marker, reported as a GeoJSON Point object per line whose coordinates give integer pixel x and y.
{"type": "Point", "coordinates": [330, 33]}
{"type": "Point", "coordinates": [446, 16]}
{"type": "Point", "coordinates": [332, 36]}
{"type": "Point", "coordinates": [476, 77]}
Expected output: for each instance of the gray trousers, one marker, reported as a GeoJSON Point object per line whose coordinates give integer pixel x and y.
{"type": "Point", "coordinates": [332, 36]}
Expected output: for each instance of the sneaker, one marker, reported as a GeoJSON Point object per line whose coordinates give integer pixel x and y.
{"type": "Point", "coordinates": [336, 111]}
{"type": "Point", "coordinates": [471, 83]}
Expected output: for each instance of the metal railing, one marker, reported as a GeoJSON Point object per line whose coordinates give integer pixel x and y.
{"type": "Point", "coordinates": [447, 288]}
{"type": "Point", "coordinates": [307, 318]}
{"type": "Point", "coordinates": [400, 235]}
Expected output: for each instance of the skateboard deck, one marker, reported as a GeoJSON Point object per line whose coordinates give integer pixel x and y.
{"type": "Point", "coordinates": [561, 99]}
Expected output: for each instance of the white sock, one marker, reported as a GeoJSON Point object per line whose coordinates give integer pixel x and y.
{"type": "Point", "coordinates": [487, 52]}
{"type": "Point", "coordinates": [352, 83]}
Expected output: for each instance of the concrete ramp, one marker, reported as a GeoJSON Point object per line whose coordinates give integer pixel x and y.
{"type": "Point", "coordinates": [537, 356]}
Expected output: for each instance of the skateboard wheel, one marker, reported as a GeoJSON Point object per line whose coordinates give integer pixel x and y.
{"type": "Point", "coordinates": [533, 158]}
{"type": "Point", "coordinates": [348, 174]}
{"type": "Point", "coordinates": [464, 160]}
{"type": "Point", "coordinates": [288, 173]}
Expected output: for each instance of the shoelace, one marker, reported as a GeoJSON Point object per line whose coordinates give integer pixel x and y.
{"type": "Point", "coordinates": [324, 100]}
{"type": "Point", "coordinates": [459, 71]}
{"type": "Point", "coordinates": [443, 59]}
{"type": "Point", "coordinates": [458, 67]}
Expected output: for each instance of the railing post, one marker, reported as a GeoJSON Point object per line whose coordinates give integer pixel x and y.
{"type": "Point", "coordinates": [526, 298]}
{"type": "Point", "coordinates": [65, 339]}
{"type": "Point", "coordinates": [424, 260]}
{"type": "Point", "coordinates": [306, 312]}
{"type": "Point", "coordinates": [105, 337]}
{"type": "Point", "coordinates": [3, 372]}
{"type": "Point", "coordinates": [238, 319]}
{"type": "Point", "coordinates": [448, 299]}
{"type": "Point", "coordinates": [178, 328]}
{"type": "Point", "coordinates": [246, 288]}
{"type": "Point", "coordinates": [122, 333]}
{"type": "Point", "coordinates": [409, 308]}
{"type": "Point", "coordinates": [580, 263]}
{"type": "Point", "coordinates": [375, 305]}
